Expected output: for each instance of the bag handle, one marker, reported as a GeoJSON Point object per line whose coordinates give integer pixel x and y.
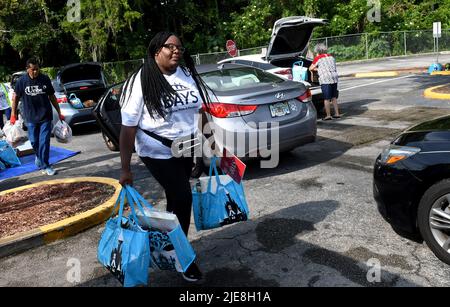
{"type": "Point", "coordinates": [120, 200]}
{"type": "Point", "coordinates": [137, 199]}
{"type": "Point", "coordinates": [212, 166]}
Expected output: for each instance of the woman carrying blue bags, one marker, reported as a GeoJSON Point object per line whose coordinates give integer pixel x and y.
{"type": "Point", "coordinates": [161, 103]}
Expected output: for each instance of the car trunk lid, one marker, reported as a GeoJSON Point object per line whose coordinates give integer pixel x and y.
{"type": "Point", "coordinates": [290, 36]}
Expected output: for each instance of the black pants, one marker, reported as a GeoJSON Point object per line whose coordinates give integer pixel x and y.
{"type": "Point", "coordinates": [173, 174]}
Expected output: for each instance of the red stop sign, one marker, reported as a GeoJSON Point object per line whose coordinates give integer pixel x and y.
{"type": "Point", "coordinates": [231, 48]}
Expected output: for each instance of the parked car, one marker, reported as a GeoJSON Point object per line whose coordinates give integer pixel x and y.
{"type": "Point", "coordinates": [243, 97]}
{"type": "Point", "coordinates": [87, 82]}
{"type": "Point", "coordinates": [288, 44]}
{"type": "Point", "coordinates": [412, 185]}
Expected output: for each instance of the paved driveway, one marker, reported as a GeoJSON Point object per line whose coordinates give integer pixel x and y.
{"type": "Point", "coordinates": [313, 219]}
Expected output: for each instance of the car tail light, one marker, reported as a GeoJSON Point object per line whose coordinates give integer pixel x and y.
{"type": "Point", "coordinates": [306, 97]}
{"type": "Point", "coordinates": [226, 110]}
{"type": "Point", "coordinates": [61, 99]}
{"type": "Point", "coordinates": [394, 154]}
{"type": "Point", "coordinates": [84, 88]}
{"type": "Point", "coordinates": [285, 72]}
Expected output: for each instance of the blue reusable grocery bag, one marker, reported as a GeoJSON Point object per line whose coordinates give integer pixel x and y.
{"type": "Point", "coordinates": [299, 72]}
{"type": "Point", "coordinates": [124, 248]}
{"type": "Point", "coordinates": [218, 200]}
{"type": "Point", "coordinates": [8, 155]}
{"type": "Point", "coordinates": [75, 101]}
{"type": "Point", "coordinates": [169, 250]}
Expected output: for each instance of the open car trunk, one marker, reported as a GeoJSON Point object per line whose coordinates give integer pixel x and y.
{"type": "Point", "coordinates": [288, 62]}
{"type": "Point", "coordinates": [85, 80]}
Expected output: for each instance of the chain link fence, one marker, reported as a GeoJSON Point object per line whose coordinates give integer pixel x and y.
{"type": "Point", "coordinates": [359, 46]}
{"type": "Point", "coordinates": [116, 72]}
{"type": "Point", "coordinates": [383, 44]}
{"type": "Point", "coordinates": [344, 48]}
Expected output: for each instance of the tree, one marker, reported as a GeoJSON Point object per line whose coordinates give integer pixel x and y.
{"type": "Point", "coordinates": [101, 20]}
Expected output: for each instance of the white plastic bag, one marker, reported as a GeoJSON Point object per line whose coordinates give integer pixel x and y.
{"type": "Point", "coordinates": [62, 132]}
{"type": "Point", "coordinates": [161, 220]}
{"type": "Point", "coordinates": [15, 135]}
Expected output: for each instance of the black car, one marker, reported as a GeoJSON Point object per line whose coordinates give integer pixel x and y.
{"type": "Point", "coordinates": [412, 185]}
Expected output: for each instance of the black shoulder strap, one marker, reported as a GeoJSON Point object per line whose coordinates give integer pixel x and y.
{"type": "Point", "coordinates": [163, 140]}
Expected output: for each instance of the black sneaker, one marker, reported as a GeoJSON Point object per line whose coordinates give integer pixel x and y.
{"type": "Point", "coordinates": [192, 273]}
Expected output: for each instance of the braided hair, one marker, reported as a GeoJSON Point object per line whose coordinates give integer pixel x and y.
{"type": "Point", "coordinates": [156, 91]}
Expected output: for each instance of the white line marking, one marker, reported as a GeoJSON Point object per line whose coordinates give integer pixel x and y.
{"type": "Point", "coordinates": [367, 84]}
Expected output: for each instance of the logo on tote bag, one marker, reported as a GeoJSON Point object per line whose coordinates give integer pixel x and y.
{"type": "Point", "coordinates": [115, 266]}
{"type": "Point", "coordinates": [233, 211]}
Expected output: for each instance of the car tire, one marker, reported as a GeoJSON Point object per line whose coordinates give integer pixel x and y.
{"type": "Point", "coordinates": [434, 198]}
{"type": "Point", "coordinates": [111, 146]}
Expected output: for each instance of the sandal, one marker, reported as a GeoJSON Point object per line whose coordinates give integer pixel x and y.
{"type": "Point", "coordinates": [336, 116]}
{"type": "Point", "coordinates": [327, 118]}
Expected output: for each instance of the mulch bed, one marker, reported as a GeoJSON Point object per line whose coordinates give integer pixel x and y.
{"type": "Point", "coordinates": [31, 208]}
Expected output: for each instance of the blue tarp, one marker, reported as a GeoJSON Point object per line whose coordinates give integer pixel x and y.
{"type": "Point", "coordinates": [56, 154]}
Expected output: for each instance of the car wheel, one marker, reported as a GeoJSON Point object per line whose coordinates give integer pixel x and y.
{"type": "Point", "coordinates": [434, 219]}
{"type": "Point", "coordinates": [111, 146]}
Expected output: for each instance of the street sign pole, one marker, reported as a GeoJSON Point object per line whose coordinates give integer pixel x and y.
{"type": "Point", "coordinates": [436, 35]}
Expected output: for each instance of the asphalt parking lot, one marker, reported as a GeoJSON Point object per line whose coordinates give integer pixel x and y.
{"type": "Point", "coordinates": [313, 218]}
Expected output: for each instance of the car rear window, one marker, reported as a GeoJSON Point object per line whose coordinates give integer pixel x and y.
{"type": "Point", "coordinates": [238, 78]}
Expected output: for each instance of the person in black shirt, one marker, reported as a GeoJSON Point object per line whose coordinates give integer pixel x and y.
{"type": "Point", "coordinates": [38, 96]}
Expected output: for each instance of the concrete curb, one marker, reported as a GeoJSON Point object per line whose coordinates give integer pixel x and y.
{"type": "Point", "coordinates": [429, 93]}
{"type": "Point", "coordinates": [441, 73]}
{"type": "Point", "coordinates": [377, 74]}
{"type": "Point", "coordinates": [61, 229]}
{"type": "Point", "coordinates": [387, 73]}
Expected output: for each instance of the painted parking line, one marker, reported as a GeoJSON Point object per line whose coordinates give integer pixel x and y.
{"type": "Point", "coordinates": [367, 84]}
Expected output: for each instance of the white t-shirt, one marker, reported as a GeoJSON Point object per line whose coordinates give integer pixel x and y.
{"type": "Point", "coordinates": [181, 119]}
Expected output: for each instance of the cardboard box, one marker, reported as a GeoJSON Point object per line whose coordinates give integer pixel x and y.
{"type": "Point", "coordinates": [24, 149]}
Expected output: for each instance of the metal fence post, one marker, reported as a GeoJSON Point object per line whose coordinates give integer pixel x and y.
{"type": "Point", "coordinates": [326, 42]}
{"type": "Point", "coordinates": [404, 36]}
{"type": "Point", "coordinates": [367, 46]}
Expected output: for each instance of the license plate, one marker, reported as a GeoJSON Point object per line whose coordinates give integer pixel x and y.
{"type": "Point", "coordinates": [279, 109]}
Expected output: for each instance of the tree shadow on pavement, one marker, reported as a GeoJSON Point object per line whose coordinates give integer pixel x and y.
{"type": "Point", "coordinates": [274, 250]}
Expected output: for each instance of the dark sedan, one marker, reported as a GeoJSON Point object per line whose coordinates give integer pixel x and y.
{"type": "Point", "coordinates": [412, 185]}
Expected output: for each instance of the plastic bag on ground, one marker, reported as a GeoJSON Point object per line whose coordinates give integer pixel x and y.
{"type": "Point", "coordinates": [62, 132]}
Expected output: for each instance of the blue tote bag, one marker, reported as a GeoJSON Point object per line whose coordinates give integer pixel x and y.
{"type": "Point", "coordinates": [299, 72]}
{"type": "Point", "coordinates": [124, 248]}
{"type": "Point", "coordinates": [218, 200]}
{"type": "Point", "coordinates": [170, 250]}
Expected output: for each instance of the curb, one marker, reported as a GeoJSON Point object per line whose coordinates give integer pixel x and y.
{"type": "Point", "coordinates": [61, 229]}
{"type": "Point", "coordinates": [441, 73]}
{"type": "Point", "coordinates": [428, 93]}
{"type": "Point", "coordinates": [387, 73]}
{"type": "Point", "coordinates": [376, 74]}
